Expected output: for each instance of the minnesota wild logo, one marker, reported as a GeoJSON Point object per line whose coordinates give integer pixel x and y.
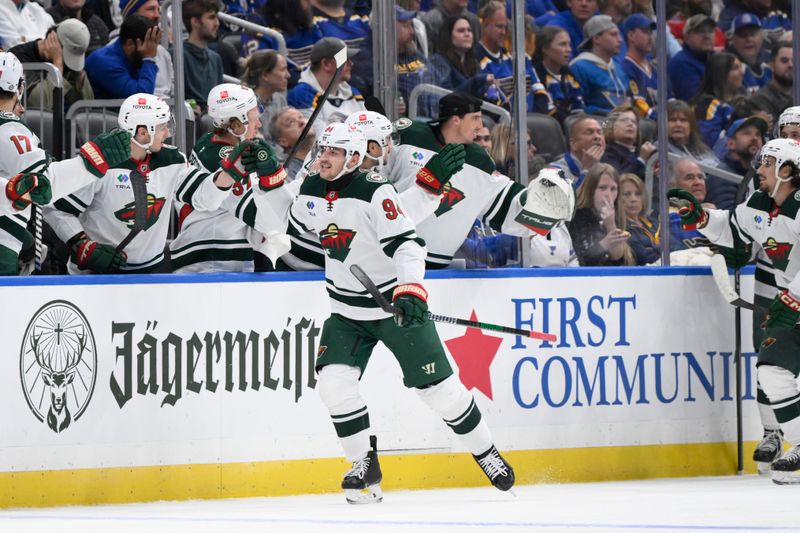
{"type": "Point", "coordinates": [154, 206]}
{"type": "Point", "coordinates": [336, 241]}
{"type": "Point", "coordinates": [450, 197]}
{"type": "Point", "coordinates": [778, 253]}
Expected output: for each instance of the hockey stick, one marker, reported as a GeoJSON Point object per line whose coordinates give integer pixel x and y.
{"type": "Point", "coordinates": [37, 238]}
{"type": "Point", "coordinates": [719, 270]}
{"type": "Point", "coordinates": [341, 58]}
{"type": "Point", "coordinates": [372, 103]}
{"type": "Point", "coordinates": [139, 186]}
{"type": "Point", "coordinates": [373, 290]}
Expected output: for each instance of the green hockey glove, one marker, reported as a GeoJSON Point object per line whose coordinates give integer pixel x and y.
{"type": "Point", "coordinates": [107, 150]}
{"type": "Point", "coordinates": [23, 189]}
{"type": "Point", "coordinates": [412, 300]}
{"type": "Point", "coordinates": [784, 311]}
{"type": "Point", "coordinates": [99, 258]}
{"type": "Point", "coordinates": [261, 159]}
{"type": "Point", "coordinates": [441, 167]}
{"type": "Point", "coordinates": [735, 257]}
{"type": "Point", "coordinates": [692, 214]}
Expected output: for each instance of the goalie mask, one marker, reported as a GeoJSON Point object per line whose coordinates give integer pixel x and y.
{"type": "Point", "coordinates": [549, 199]}
{"type": "Point", "coordinates": [148, 111]}
{"type": "Point", "coordinates": [228, 101]}
{"type": "Point", "coordinates": [347, 137]}
{"type": "Point", "coordinates": [784, 151]}
{"type": "Point", "coordinates": [12, 77]}
{"type": "Point", "coordinates": [376, 128]}
{"type": "Point", "coordinates": [790, 116]}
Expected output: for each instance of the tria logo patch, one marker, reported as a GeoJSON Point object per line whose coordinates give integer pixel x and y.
{"type": "Point", "coordinates": [336, 241]}
{"type": "Point", "coordinates": [778, 253]}
{"type": "Point", "coordinates": [418, 156]}
{"type": "Point", "coordinates": [450, 197]}
{"type": "Point", "coordinates": [154, 207]}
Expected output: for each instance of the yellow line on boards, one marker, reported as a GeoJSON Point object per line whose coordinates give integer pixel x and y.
{"type": "Point", "coordinates": [50, 488]}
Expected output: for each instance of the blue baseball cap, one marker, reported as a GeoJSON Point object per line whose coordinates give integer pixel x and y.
{"type": "Point", "coordinates": [402, 15]}
{"type": "Point", "coordinates": [637, 21]}
{"type": "Point", "coordinates": [742, 123]}
{"type": "Point", "coordinates": [745, 20]}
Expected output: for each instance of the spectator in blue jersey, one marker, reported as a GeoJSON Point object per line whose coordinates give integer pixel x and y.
{"type": "Point", "coordinates": [151, 9]}
{"type": "Point", "coordinates": [551, 62]}
{"type": "Point", "coordinates": [743, 140]}
{"type": "Point", "coordinates": [586, 148]}
{"type": "Point", "coordinates": [687, 67]}
{"type": "Point", "coordinates": [343, 99]}
{"type": "Point", "coordinates": [202, 67]}
{"type": "Point", "coordinates": [542, 11]}
{"type": "Point", "coordinates": [420, 32]}
{"type": "Point", "coordinates": [746, 41]}
{"type": "Point", "coordinates": [619, 11]}
{"type": "Point", "coordinates": [127, 65]}
{"type": "Point", "coordinates": [293, 19]}
{"type": "Point", "coordinates": [494, 59]}
{"type": "Point", "coordinates": [267, 74]}
{"type": "Point", "coordinates": [603, 82]}
{"type": "Point", "coordinates": [713, 107]}
{"type": "Point", "coordinates": [573, 19]}
{"type": "Point", "coordinates": [776, 95]}
{"type": "Point", "coordinates": [771, 18]}
{"type": "Point", "coordinates": [457, 67]}
{"type": "Point", "coordinates": [639, 222]}
{"type": "Point", "coordinates": [624, 149]}
{"type": "Point", "coordinates": [411, 65]}
{"type": "Point", "coordinates": [638, 63]}
{"type": "Point", "coordinates": [686, 175]}
{"type": "Point", "coordinates": [436, 18]}
{"type": "Point", "coordinates": [684, 137]}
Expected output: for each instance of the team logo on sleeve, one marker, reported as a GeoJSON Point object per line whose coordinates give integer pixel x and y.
{"type": "Point", "coordinates": [154, 207]}
{"type": "Point", "coordinates": [450, 197]}
{"type": "Point", "coordinates": [778, 253]}
{"type": "Point", "coordinates": [336, 241]}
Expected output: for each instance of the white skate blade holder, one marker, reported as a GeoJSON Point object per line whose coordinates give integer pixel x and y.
{"type": "Point", "coordinates": [371, 494]}
{"type": "Point", "coordinates": [763, 469]}
{"type": "Point", "coordinates": [780, 477]}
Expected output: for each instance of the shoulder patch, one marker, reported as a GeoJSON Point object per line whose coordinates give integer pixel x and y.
{"type": "Point", "coordinates": [797, 195]}
{"type": "Point", "coordinates": [375, 177]}
{"type": "Point", "coordinates": [224, 151]}
{"type": "Point", "coordinates": [402, 123]}
{"type": "Point", "coordinates": [8, 115]}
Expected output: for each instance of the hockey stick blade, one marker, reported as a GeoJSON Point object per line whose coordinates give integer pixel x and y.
{"type": "Point", "coordinates": [373, 290]}
{"type": "Point", "coordinates": [372, 103]}
{"type": "Point", "coordinates": [139, 187]}
{"type": "Point", "coordinates": [719, 270]}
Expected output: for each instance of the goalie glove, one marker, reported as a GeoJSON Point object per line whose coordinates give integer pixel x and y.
{"type": "Point", "coordinates": [261, 159]}
{"type": "Point", "coordinates": [548, 200]}
{"type": "Point", "coordinates": [441, 167]}
{"type": "Point", "coordinates": [411, 299]}
{"type": "Point", "coordinates": [692, 214]}
{"type": "Point", "coordinates": [24, 189]}
{"type": "Point", "coordinates": [107, 150]}
{"type": "Point", "coordinates": [99, 258]}
{"type": "Point", "coordinates": [783, 312]}
{"type": "Point", "coordinates": [233, 165]}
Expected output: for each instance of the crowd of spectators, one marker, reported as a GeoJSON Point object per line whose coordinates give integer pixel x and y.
{"type": "Point", "coordinates": [590, 66]}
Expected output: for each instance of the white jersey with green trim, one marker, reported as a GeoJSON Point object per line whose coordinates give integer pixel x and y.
{"type": "Point", "coordinates": [775, 230]}
{"type": "Point", "coordinates": [105, 210]}
{"type": "Point", "coordinates": [475, 192]}
{"type": "Point", "coordinates": [358, 220]}
{"type": "Point", "coordinates": [20, 152]}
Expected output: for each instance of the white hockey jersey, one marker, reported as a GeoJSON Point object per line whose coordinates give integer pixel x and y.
{"type": "Point", "coordinates": [20, 152]}
{"type": "Point", "coordinates": [105, 209]}
{"type": "Point", "coordinates": [358, 220]}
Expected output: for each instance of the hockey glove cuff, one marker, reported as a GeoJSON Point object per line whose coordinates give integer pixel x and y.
{"type": "Point", "coordinates": [411, 300]}
{"type": "Point", "coordinates": [692, 214]}
{"type": "Point", "coordinates": [99, 258]}
{"type": "Point", "coordinates": [23, 189]}
{"type": "Point", "coordinates": [783, 312]}
{"type": "Point", "coordinates": [441, 167]}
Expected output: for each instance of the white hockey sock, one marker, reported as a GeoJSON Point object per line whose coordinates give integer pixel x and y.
{"type": "Point", "coordinates": [767, 415]}
{"type": "Point", "coordinates": [780, 386]}
{"type": "Point", "coordinates": [451, 400]}
{"type": "Point", "coordinates": [338, 388]}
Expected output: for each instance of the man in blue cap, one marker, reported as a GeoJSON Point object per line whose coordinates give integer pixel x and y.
{"type": "Point", "coordinates": [637, 30]}
{"type": "Point", "coordinates": [746, 41]}
{"type": "Point", "coordinates": [411, 63]}
{"type": "Point", "coordinates": [743, 139]}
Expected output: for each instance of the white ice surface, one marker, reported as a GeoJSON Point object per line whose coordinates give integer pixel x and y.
{"type": "Point", "coordinates": [718, 504]}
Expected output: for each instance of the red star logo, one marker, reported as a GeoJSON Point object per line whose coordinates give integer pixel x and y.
{"type": "Point", "coordinates": [473, 353]}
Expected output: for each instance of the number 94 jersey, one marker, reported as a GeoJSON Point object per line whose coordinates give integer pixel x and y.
{"type": "Point", "coordinates": [358, 220]}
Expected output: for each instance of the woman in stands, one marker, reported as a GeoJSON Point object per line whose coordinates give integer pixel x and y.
{"type": "Point", "coordinates": [624, 149]}
{"type": "Point", "coordinates": [722, 82]}
{"type": "Point", "coordinates": [644, 228]}
{"type": "Point", "coordinates": [503, 150]}
{"type": "Point", "coordinates": [266, 72]}
{"type": "Point", "coordinates": [684, 137]}
{"type": "Point", "coordinates": [551, 62]}
{"type": "Point", "coordinates": [456, 68]}
{"type": "Point", "coordinates": [597, 227]}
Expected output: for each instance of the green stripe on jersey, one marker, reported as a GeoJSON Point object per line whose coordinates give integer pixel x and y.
{"type": "Point", "coordinates": [499, 218]}
{"type": "Point", "coordinates": [12, 228]}
{"type": "Point", "coordinates": [212, 254]}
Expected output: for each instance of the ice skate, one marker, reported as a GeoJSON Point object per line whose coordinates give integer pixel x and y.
{"type": "Point", "coordinates": [768, 450]}
{"type": "Point", "coordinates": [786, 470]}
{"type": "Point", "coordinates": [361, 483]}
{"type": "Point", "coordinates": [496, 469]}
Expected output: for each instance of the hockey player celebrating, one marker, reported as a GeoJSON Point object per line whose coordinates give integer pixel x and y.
{"type": "Point", "coordinates": [359, 220]}
{"type": "Point", "coordinates": [770, 218]}
{"type": "Point", "coordinates": [94, 220]}
{"type": "Point", "coordinates": [29, 175]}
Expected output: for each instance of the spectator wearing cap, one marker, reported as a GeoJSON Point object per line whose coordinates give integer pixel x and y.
{"type": "Point", "coordinates": [420, 31]}
{"type": "Point", "coordinates": [713, 104]}
{"type": "Point", "coordinates": [772, 18]}
{"type": "Point", "coordinates": [494, 59]}
{"type": "Point", "coordinates": [76, 9]}
{"type": "Point", "coordinates": [65, 47]}
{"type": "Point", "coordinates": [126, 65]}
{"type": "Point", "coordinates": [551, 61]}
{"type": "Point", "coordinates": [746, 41]}
{"type": "Point", "coordinates": [776, 95]}
{"type": "Point", "coordinates": [343, 99]}
{"type": "Point", "coordinates": [685, 9]}
{"type": "Point", "coordinates": [202, 67]}
{"type": "Point", "coordinates": [743, 140]}
{"type": "Point", "coordinates": [22, 21]}
{"type": "Point", "coordinates": [603, 82]}
{"type": "Point", "coordinates": [411, 64]}
{"type": "Point", "coordinates": [573, 19]}
{"type": "Point", "coordinates": [687, 67]}
{"type": "Point", "coordinates": [638, 64]}
{"type": "Point", "coordinates": [151, 9]}
{"type": "Point", "coordinates": [434, 20]}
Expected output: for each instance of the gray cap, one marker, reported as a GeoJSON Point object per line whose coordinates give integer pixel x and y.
{"type": "Point", "coordinates": [695, 22]}
{"type": "Point", "coordinates": [74, 37]}
{"type": "Point", "coordinates": [595, 25]}
{"type": "Point", "coordinates": [327, 47]}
